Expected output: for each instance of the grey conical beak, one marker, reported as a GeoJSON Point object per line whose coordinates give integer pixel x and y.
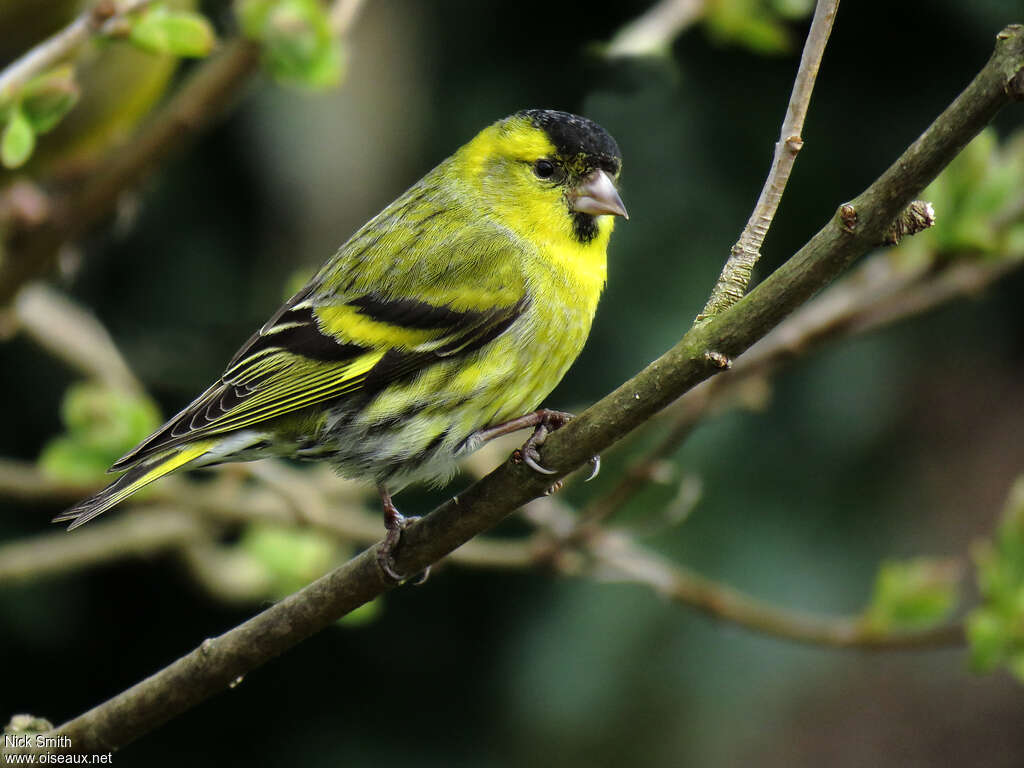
{"type": "Point", "coordinates": [597, 195]}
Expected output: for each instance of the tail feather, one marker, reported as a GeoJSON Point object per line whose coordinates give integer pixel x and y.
{"type": "Point", "coordinates": [131, 481]}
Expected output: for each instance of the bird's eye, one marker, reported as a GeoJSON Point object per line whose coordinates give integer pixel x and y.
{"type": "Point", "coordinates": [544, 169]}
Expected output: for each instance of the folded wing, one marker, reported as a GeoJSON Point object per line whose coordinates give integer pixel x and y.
{"type": "Point", "coordinates": [307, 355]}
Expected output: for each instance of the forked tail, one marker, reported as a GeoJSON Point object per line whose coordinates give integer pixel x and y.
{"type": "Point", "coordinates": [135, 478]}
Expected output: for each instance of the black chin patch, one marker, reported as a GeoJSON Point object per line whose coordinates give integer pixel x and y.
{"type": "Point", "coordinates": [573, 135]}
{"type": "Point", "coordinates": [584, 227]}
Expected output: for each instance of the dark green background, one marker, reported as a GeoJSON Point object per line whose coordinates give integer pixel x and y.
{"type": "Point", "coordinates": [899, 444]}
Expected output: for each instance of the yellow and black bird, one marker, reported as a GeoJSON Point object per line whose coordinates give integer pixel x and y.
{"type": "Point", "coordinates": [443, 322]}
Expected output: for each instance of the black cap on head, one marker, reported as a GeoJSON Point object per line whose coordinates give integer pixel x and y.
{"type": "Point", "coordinates": [572, 134]}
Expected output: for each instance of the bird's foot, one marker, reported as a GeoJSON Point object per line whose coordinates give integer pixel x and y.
{"type": "Point", "coordinates": [547, 422]}
{"type": "Point", "coordinates": [394, 523]}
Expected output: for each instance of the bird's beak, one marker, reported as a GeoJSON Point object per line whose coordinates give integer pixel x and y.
{"type": "Point", "coordinates": [596, 195]}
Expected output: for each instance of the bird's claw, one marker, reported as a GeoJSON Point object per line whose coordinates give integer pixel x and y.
{"type": "Point", "coordinates": [595, 463]}
{"type": "Point", "coordinates": [386, 551]}
{"type": "Point", "coordinates": [528, 454]}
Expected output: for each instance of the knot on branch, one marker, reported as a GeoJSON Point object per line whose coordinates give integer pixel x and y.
{"type": "Point", "coordinates": [720, 361]}
{"type": "Point", "coordinates": [848, 217]}
{"type": "Point", "coordinates": [1010, 31]}
{"type": "Point", "coordinates": [916, 217]}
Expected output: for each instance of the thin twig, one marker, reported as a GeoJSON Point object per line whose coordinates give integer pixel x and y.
{"type": "Point", "coordinates": [98, 18]}
{"type": "Point", "coordinates": [735, 277]}
{"type": "Point", "coordinates": [23, 481]}
{"type": "Point", "coordinates": [612, 555]}
{"type": "Point", "coordinates": [146, 532]}
{"type": "Point", "coordinates": [337, 513]}
{"type": "Point", "coordinates": [626, 560]}
{"type": "Point", "coordinates": [217, 662]}
{"type": "Point", "coordinates": [879, 293]}
{"type": "Point", "coordinates": [692, 408]}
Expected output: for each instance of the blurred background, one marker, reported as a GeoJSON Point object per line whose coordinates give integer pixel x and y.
{"type": "Point", "coordinates": [896, 444]}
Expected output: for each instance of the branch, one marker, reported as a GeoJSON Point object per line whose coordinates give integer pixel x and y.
{"type": "Point", "coordinates": [143, 533]}
{"type": "Point", "coordinates": [100, 17]}
{"type": "Point", "coordinates": [632, 563]}
{"type": "Point", "coordinates": [859, 226]}
{"type": "Point", "coordinates": [217, 662]}
{"type": "Point", "coordinates": [616, 557]}
{"type": "Point", "coordinates": [735, 278]}
{"type": "Point", "coordinates": [878, 294]}
{"type": "Point", "coordinates": [177, 506]}
{"type": "Point", "coordinates": [22, 480]}
{"type": "Point", "coordinates": [611, 556]}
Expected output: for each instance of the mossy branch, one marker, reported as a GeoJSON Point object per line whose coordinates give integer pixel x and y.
{"type": "Point", "coordinates": [702, 352]}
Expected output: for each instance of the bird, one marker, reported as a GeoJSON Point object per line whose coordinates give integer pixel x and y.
{"type": "Point", "coordinates": [443, 322]}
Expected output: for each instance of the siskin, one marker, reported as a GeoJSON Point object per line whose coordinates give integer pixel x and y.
{"type": "Point", "coordinates": [436, 327]}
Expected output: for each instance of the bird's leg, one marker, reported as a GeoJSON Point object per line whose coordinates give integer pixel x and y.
{"type": "Point", "coordinates": [542, 417]}
{"type": "Point", "coordinates": [394, 523]}
{"type": "Point", "coordinates": [544, 421]}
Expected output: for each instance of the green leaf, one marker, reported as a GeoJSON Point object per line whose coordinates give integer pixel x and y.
{"type": "Point", "coordinates": [298, 45]}
{"type": "Point", "coordinates": [49, 97]}
{"type": "Point", "coordinates": [987, 640]}
{"type": "Point", "coordinates": [106, 419]}
{"type": "Point", "coordinates": [913, 594]}
{"type": "Point", "coordinates": [1013, 242]}
{"type": "Point", "coordinates": [750, 23]}
{"type": "Point", "coordinates": [252, 16]}
{"type": "Point", "coordinates": [70, 460]}
{"type": "Point", "coordinates": [179, 33]}
{"type": "Point", "coordinates": [101, 426]}
{"type": "Point", "coordinates": [974, 198]}
{"type": "Point", "coordinates": [327, 69]}
{"type": "Point", "coordinates": [1016, 666]}
{"type": "Point", "coordinates": [18, 140]}
{"type": "Point", "coordinates": [793, 9]}
{"type": "Point", "coordinates": [293, 557]}
{"type": "Point", "coordinates": [995, 630]}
